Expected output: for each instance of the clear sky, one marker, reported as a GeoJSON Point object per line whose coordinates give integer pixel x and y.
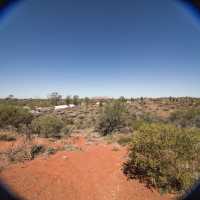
{"type": "Point", "coordinates": [99, 48]}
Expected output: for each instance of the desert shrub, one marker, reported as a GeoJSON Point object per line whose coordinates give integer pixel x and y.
{"type": "Point", "coordinates": [25, 151]}
{"type": "Point", "coordinates": [76, 100]}
{"type": "Point", "coordinates": [164, 156]}
{"type": "Point", "coordinates": [19, 154]}
{"type": "Point", "coordinates": [87, 122]}
{"type": "Point", "coordinates": [186, 118]}
{"type": "Point", "coordinates": [137, 124]}
{"type": "Point", "coordinates": [144, 118]}
{"type": "Point", "coordinates": [112, 117]}
{"type": "Point", "coordinates": [149, 117]}
{"type": "Point", "coordinates": [14, 116]}
{"type": "Point", "coordinates": [47, 126]}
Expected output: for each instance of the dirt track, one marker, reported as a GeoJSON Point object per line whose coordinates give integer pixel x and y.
{"type": "Point", "coordinates": [91, 174]}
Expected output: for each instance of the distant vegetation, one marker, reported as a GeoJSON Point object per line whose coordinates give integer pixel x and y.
{"type": "Point", "coordinates": [163, 134]}
{"type": "Point", "coordinates": [186, 118]}
{"type": "Point", "coordinates": [52, 99]}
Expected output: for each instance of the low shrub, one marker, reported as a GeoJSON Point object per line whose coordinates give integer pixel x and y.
{"type": "Point", "coordinates": [186, 118]}
{"type": "Point", "coordinates": [14, 116]}
{"type": "Point", "coordinates": [137, 124]}
{"type": "Point", "coordinates": [112, 117]}
{"type": "Point", "coordinates": [164, 156]}
{"type": "Point", "coordinates": [47, 126]}
{"type": "Point", "coordinates": [23, 152]}
{"type": "Point", "coordinates": [144, 118]}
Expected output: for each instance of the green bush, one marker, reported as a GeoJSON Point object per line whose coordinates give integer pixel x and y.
{"type": "Point", "coordinates": [47, 126]}
{"type": "Point", "coordinates": [14, 116]}
{"type": "Point", "coordinates": [164, 156]}
{"type": "Point", "coordinates": [186, 118]}
{"type": "Point", "coordinates": [112, 117]}
{"type": "Point", "coordinates": [137, 124]}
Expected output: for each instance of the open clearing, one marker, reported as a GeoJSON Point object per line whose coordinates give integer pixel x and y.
{"type": "Point", "coordinates": [91, 173]}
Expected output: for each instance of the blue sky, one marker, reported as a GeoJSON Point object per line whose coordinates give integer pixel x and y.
{"type": "Point", "coordinates": [100, 48]}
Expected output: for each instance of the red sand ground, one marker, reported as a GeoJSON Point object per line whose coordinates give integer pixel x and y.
{"type": "Point", "coordinates": [91, 174]}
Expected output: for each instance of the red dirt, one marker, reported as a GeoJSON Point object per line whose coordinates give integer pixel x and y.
{"type": "Point", "coordinates": [91, 174]}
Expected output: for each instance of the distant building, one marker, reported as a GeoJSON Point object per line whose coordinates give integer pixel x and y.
{"type": "Point", "coordinates": [71, 105]}
{"type": "Point", "coordinates": [63, 107]}
{"type": "Point", "coordinates": [43, 109]}
{"type": "Point", "coordinates": [35, 112]}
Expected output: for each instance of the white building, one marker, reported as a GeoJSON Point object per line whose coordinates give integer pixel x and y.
{"type": "Point", "coordinates": [63, 107]}
{"type": "Point", "coordinates": [71, 105]}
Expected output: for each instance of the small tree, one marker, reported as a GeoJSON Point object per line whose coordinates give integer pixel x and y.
{"type": "Point", "coordinates": [87, 101]}
{"type": "Point", "coordinates": [132, 99]}
{"type": "Point", "coordinates": [111, 118]}
{"type": "Point", "coordinates": [68, 100]}
{"type": "Point", "coordinates": [122, 99]}
{"type": "Point", "coordinates": [54, 98]}
{"type": "Point", "coordinates": [76, 100]}
{"type": "Point", "coordinates": [10, 97]}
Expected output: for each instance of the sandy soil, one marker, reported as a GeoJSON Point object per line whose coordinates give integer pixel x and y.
{"type": "Point", "coordinates": [93, 173]}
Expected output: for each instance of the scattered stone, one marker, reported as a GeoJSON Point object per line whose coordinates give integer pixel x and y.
{"type": "Point", "coordinates": [65, 157]}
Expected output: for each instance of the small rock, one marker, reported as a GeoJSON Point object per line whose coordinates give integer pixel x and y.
{"type": "Point", "coordinates": [65, 157]}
